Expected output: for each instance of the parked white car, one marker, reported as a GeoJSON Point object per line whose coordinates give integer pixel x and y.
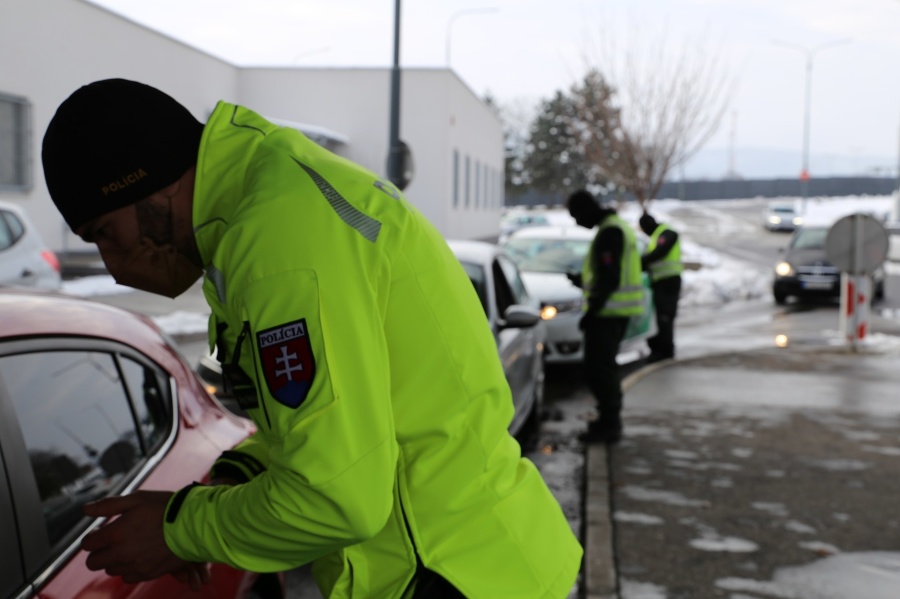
{"type": "Point", "coordinates": [545, 255]}
{"type": "Point", "coordinates": [512, 222]}
{"type": "Point", "coordinates": [25, 260]}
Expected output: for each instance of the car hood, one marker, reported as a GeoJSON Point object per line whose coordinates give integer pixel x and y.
{"type": "Point", "coordinates": [810, 257]}
{"type": "Point", "coordinates": [550, 286]}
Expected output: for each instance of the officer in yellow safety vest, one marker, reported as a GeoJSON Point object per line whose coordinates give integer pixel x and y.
{"type": "Point", "coordinates": [353, 339]}
{"type": "Point", "coordinates": [662, 259]}
{"type": "Point", "coordinates": [613, 293]}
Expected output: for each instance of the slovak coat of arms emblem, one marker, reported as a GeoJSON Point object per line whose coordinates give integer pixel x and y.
{"type": "Point", "coordinates": [287, 361]}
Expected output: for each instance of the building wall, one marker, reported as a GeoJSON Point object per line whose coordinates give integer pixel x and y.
{"type": "Point", "coordinates": [48, 48]}
{"type": "Point", "coordinates": [438, 114]}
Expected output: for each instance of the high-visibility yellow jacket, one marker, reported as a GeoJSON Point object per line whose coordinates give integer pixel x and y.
{"type": "Point", "coordinates": [669, 265]}
{"type": "Point", "coordinates": [628, 298]}
{"type": "Point", "coordinates": [374, 381]}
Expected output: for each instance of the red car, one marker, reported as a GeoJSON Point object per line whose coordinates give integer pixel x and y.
{"type": "Point", "coordinates": [94, 402]}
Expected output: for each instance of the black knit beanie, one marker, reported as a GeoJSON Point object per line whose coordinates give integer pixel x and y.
{"type": "Point", "coordinates": [113, 143]}
{"type": "Point", "coordinates": [648, 223]}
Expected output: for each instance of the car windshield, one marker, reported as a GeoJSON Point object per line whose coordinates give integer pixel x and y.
{"type": "Point", "coordinates": [810, 239]}
{"type": "Point", "coordinates": [783, 210]}
{"type": "Point", "coordinates": [548, 255]}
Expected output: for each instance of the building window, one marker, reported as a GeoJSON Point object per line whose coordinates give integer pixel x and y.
{"type": "Point", "coordinates": [15, 114]}
{"type": "Point", "coordinates": [477, 183]}
{"type": "Point", "coordinates": [468, 187]}
{"type": "Point", "coordinates": [455, 178]}
{"type": "Point", "coordinates": [487, 196]}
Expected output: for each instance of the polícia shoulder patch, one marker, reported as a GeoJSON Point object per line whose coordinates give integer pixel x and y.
{"type": "Point", "coordinates": [287, 361]}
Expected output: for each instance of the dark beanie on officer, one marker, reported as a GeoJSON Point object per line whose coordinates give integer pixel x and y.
{"type": "Point", "coordinates": [648, 223]}
{"type": "Point", "coordinates": [113, 143]}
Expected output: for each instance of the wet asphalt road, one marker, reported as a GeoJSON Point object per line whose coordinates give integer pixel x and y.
{"type": "Point", "coordinates": [737, 467]}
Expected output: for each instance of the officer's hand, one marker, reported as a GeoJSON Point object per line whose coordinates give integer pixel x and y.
{"type": "Point", "coordinates": [193, 574]}
{"type": "Point", "coordinates": [133, 545]}
{"type": "Point", "coordinates": [575, 277]}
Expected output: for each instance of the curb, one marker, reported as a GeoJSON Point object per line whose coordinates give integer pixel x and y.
{"type": "Point", "coordinates": [600, 576]}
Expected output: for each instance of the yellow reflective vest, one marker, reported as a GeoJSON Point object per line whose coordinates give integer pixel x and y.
{"type": "Point", "coordinates": [628, 298]}
{"type": "Point", "coordinates": [374, 381]}
{"type": "Point", "coordinates": [670, 265]}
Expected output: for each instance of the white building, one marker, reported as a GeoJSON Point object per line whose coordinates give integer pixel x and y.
{"type": "Point", "coordinates": [49, 48]}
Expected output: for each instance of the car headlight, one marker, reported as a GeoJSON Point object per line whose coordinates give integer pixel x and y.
{"type": "Point", "coordinates": [775, 219]}
{"type": "Point", "coordinates": [797, 220]}
{"type": "Point", "coordinates": [784, 269]}
{"type": "Point", "coordinates": [551, 309]}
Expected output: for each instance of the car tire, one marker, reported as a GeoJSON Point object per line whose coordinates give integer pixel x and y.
{"type": "Point", "coordinates": [879, 291]}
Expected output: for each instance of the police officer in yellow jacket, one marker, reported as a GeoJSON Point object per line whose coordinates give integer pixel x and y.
{"type": "Point", "coordinates": [354, 340]}
{"type": "Point", "coordinates": [662, 259]}
{"type": "Point", "coordinates": [613, 292]}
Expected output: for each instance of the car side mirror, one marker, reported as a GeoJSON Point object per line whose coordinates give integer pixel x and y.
{"type": "Point", "coordinates": [520, 317]}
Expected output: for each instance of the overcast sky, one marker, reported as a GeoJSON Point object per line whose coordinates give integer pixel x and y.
{"type": "Point", "coordinates": [524, 50]}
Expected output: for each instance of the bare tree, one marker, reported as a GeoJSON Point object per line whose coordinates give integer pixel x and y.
{"type": "Point", "coordinates": [646, 109]}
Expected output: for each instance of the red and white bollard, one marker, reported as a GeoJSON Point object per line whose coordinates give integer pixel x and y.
{"type": "Point", "coordinates": [856, 298]}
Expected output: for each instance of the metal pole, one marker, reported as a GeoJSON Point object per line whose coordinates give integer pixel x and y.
{"type": "Point", "coordinates": [395, 150]}
{"type": "Point", "coordinates": [804, 173]}
{"type": "Point", "coordinates": [810, 53]}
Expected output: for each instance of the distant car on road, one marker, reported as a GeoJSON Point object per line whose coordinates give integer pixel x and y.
{"type": "Point", "coordinates": [514, 318]}
{"type": "Point", "coordinates": [545, 255]}
{"type": "Point", "coordinates": [804, 270]}
{"type": "Point", "coordinates": [781, 217]}
{"type": "Point", "coordinates": [94, 402]}
{"type": "Point", "coordinates": [25, 260]}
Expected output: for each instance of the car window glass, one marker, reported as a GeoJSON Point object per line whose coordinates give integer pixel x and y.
{"type": "Point", "coordinates": [16, 229]}
{"type": "Point", "coordinates": [511, 274]}
{"type": "Point", "coordinates": [149, 399]}
{"type": "Point", "coordinates": [548, 255]}
{"type": "Point", "coordinates": [78, 428]}
{"type": "Point", "coordinates": [810, 239]}
{"type": "Point", "coordinates": [476, 275]}
{"type": "Point", "coordinates": [6, 236]}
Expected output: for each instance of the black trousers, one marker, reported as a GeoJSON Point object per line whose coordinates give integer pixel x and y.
{"type": "Point", "coordinates": [602, 336]}
{"type": "Point", "coordinates": [665, 296]}
{"type": "Point", "coordinates": [431, 585]}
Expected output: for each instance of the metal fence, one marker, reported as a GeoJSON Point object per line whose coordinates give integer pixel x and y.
{"type": "Point", "coordinates": [740, 189]}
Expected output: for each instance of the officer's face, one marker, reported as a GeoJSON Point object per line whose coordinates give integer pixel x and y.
{"type": "Point", "coordinates": [146, 245]}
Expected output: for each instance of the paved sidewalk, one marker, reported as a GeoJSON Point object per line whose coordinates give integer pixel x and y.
{"type": "Point", "coordinates": [713, 442]}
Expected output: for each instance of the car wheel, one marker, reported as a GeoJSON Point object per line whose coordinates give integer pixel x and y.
{"type": "Point", "coordinates": [879, 291]}
{"type": "Point", "coordinates": [780, 297]}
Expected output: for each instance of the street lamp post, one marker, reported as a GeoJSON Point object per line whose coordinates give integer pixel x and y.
{"type": "Point", "coordinates": [461, 13]}
{"type": "Point", "coordinates": [810, 54]}
{"type": "Point", "coordinates": [395, 149]}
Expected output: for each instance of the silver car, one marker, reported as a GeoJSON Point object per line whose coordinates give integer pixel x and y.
{"type": "Point", "coordinates": [544, 256]}
{"type": "Point", "coordinates": [515, 319]}
{"type": "Point", "coordinates": [25, 260]}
